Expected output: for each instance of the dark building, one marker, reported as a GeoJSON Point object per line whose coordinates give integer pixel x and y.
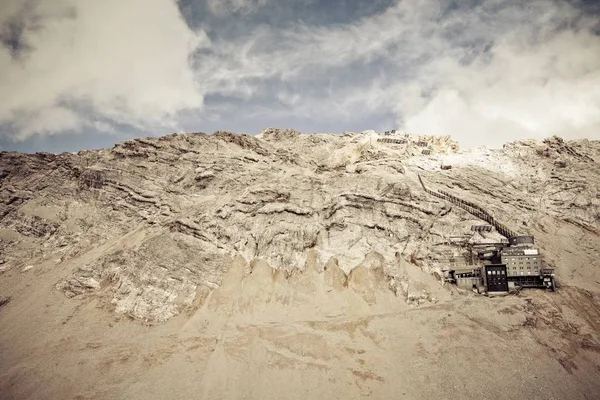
{"type": "Point", "coordinates": [524, 264]}
{"type": "Point", "coordinates": [510, 264]}
{"type": "Point", "coordinates": [494, 278]}
{"type": "Point", "coordinates": [521, 241]}
{"type": "Point", "coordinates": [466, 278]}
{"type": "Point", "coordinates": [522, 261]}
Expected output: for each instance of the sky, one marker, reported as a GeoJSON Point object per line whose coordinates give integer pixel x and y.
{"type": "Point", "coordinates": [85, 74]}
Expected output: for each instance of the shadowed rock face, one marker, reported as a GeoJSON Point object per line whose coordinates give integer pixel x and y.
{"type": "Point", "coordinates": [153, 225]}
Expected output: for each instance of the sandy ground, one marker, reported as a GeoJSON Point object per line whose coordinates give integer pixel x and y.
{"type": "Point", "coordinates": [266, 336]}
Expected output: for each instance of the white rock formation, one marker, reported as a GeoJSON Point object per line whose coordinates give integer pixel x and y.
{"type": "Point", "coordinates": [154, 224]}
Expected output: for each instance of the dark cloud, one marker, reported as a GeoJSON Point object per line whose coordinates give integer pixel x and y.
{"type": "Point", "coordinates": [11, 36]}
{"type": "Point", "coordinates": [276, 14]}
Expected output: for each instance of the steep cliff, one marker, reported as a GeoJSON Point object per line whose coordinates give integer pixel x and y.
{"type": "Point", "coordinates": [327, 225]}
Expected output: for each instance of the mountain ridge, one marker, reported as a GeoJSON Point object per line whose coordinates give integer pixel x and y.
{"type": "Point", "coordinates": [192, 235]}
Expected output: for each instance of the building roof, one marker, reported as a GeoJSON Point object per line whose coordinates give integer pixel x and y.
{"type": "Point", "coordinates": [522, 252]}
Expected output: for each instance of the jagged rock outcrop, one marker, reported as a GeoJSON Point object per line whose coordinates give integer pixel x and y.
{"type": "Point", "coordinates": [153, 225]}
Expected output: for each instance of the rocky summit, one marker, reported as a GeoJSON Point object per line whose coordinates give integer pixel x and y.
{"type": "Point", "coordinates": [288, 265]}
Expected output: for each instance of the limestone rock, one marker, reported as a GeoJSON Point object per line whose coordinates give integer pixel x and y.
{"type": "Point", "coordinates": [155, 224]}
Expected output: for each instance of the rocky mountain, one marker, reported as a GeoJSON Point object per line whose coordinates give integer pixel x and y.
{"type": "Point", "coordinates": [182, 237]}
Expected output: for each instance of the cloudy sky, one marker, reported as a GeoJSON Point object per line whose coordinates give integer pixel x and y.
{"type": "Point", "coordinates": [80, 74]}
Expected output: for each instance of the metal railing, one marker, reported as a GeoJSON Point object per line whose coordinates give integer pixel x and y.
{"type": "Point", "coordinates": [472, 209]}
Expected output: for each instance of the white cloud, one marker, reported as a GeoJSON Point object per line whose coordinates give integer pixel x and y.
{"type": "Point", "coordinates": [301, 49]}
{"type": "Point", "coordinates": [532, 85]}
{"type": "Point", "coordinates": [124, 61]}
{"type": "Point", "coordinates": [540, 75]}
{"type": "Point", "coordinates": [47, 120]}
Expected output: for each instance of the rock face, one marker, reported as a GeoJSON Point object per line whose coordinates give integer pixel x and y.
{"type": "Point", "coordinates": [153, 225]}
